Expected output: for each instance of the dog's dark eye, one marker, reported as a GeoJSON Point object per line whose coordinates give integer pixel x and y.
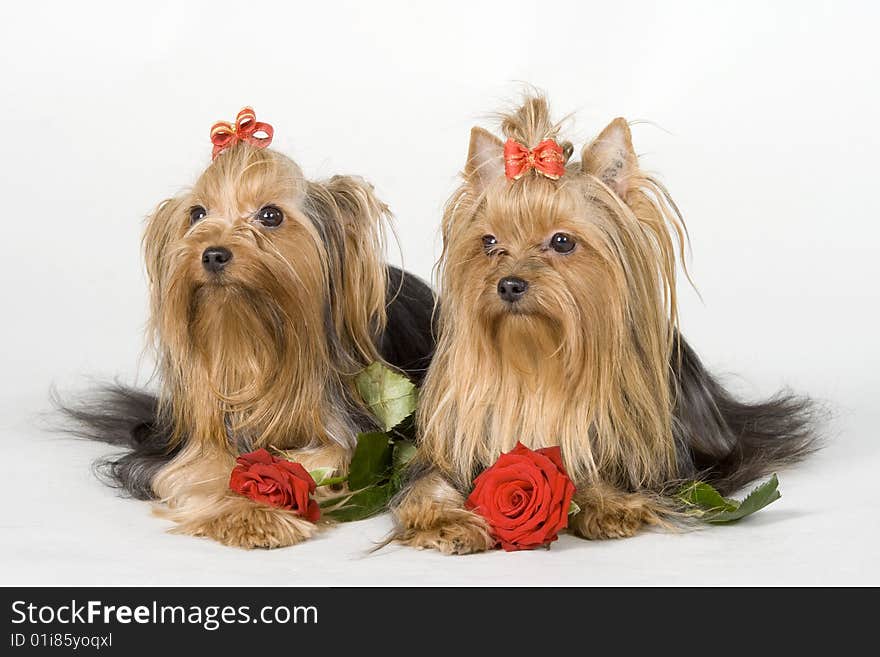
{"type": "Point", "coordinates": [561, 243]}
{"type": "Point", "coordinates": [196, 213]}
{"type": "Point", "coordinates": [270, 216]}
{"type": "Point", "coordinates": [489, 242]}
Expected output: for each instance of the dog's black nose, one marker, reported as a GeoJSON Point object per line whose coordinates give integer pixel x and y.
{"type": "Point", "coordinates": [216, 258]}
{"type": "Point", "coordinates": [512, 288]}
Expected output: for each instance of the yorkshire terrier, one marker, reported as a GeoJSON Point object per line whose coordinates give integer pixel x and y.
{"type": "Point", "coordinates": [559, 327]}
{"type": "Point", "coordinates": [268, 295]}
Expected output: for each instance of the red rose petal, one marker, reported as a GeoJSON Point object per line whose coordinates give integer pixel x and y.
{"type": "Point", "coordinates": [512, 497]}
{"type": "Point", "coordinates": [524, 497]}
{"type": "Point", "coordinates": [276, 482]}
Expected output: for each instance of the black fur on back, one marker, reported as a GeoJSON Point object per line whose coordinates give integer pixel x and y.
{"type": "Point", "coordinates": [729, 443]}
{"type": "Point", "coordinates": [408, 340]}
{"type": "Point", "coordinates": [128, 418]}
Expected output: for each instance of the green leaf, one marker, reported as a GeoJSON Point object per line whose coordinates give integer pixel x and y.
{"type": "Point", "coordinates": [376, 475]}
{"type": "Point", "coordinates": [406, 429]}
{"type": "Point", "coordinates": [362, 504]}
{"type": "Point", "coordinates": [765, 494]}
{"type": "Point", "coordinates": [404, 451]}
{"type": "Point", "coordinates": [573, 508]}
{"type": "Point", "coordinates": [377, 466]}
{"type": "Point", "coordinates": [716, 509]}
{"type": "Point", "coordinates": [390, 396]}
{"type": "Point", "coordinates": [320, 475]}
{"type": "Point", "coordinates": [701, 494]}
{"type": "Point", "coordinates": [371, 460]}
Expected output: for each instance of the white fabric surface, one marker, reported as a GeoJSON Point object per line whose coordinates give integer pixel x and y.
{"type": "Point", "coordinates": [60, 526]}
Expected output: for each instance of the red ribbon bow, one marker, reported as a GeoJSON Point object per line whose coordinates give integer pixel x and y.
{"type": "Point", "coordinates": [546, 158]}
{"type": "Point", "coordinates": [245, 128]}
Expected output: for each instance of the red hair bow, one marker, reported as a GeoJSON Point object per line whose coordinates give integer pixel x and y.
{"type": "Point", "coordinates": [546, 158]}
{"type": "Point", "coordinates": [245, 128]}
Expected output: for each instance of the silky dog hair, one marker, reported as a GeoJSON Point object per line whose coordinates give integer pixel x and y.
{"type": "Point", "coordinates": [590, 358]}
{"type": "Point", "coordinates": [263, 352]}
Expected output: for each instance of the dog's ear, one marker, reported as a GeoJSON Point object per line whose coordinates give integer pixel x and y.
{"type": "Point", "coordinates": [357, 269]}
{"type": "Point", "coordinates": [161, 229]}
{"type": "Point", "coordinates": [611, 158]}
{"type": "Point", "coordinates": [485, 160]}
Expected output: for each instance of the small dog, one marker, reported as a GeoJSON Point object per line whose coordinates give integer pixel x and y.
{"type": "Point", "coordinates": [559, 327]}
{"type": "Point", "coordinates": [268, 295]}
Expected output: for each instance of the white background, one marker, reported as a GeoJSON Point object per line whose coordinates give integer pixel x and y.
{"type": "Point", "coordinates": [762, 119]}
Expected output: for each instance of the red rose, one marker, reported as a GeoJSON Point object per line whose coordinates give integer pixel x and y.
{"type": "Point", "coordinates": [276, 482]}
{"type": "Point", "coordinates": [525, 497]}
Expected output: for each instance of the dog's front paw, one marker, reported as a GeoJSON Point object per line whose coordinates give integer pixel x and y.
{"type": "Point", "coordinates": [617, 523]}
{"type": "Point", "coordinates": [452, 531]}
{"type": "Point", "coordinates": [614, 518]}
{"type": "Point", "coordinates": [246, 524]}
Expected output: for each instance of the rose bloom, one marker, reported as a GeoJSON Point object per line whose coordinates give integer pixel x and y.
{"type": "Point", "coordinates": [525, 497]}
{"type": "Point", "coordinates": [276, 482]}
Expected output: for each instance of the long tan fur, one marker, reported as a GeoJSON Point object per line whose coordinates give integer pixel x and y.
{"type": "Point", "coordinates": [583, 361]}
{"type": "Point", "coordinates": [265, 354]}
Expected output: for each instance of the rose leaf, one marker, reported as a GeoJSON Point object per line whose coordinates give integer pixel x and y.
{"type": "Point", "coordinates": [765, 494]}
{"type": "Point", "coordinates": [371, 460]}
{"type": "Point", "coordinates": [713, 508]}
{"type": "Point", "coordinates": [320, 475]}
{"type": "Point", "coordinates": [404, 451]}
{"type": "Point", "coordinates": [390, 396]}
{"type": "Point", "coordinates": [362, 504]}
{"type": "Point", "coordinates": [703, 496]}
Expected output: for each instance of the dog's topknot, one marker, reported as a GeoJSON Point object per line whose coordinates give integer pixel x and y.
{"type": "Point", "coordinates": [530, 123]}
